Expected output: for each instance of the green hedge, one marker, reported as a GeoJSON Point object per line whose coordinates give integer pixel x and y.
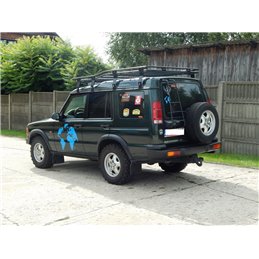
{"type": "Point", "coordinates": [42, 64]}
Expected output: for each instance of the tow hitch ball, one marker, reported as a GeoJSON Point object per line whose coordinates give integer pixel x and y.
{"type": "Point", "coordinates": [198, 160]}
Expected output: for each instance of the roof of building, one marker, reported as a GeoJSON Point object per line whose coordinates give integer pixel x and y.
{"type": "Point", "coordinates": [224, 44]}
{"type": "Point", "coordinates": [13, 36]}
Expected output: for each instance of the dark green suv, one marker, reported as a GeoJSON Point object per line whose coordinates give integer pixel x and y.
{"type": "Point", "coordinates": [127, 117]}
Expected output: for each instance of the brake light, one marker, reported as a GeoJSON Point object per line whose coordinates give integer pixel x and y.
{"type": "Point", "coordinates": [209, 101]}
{"type": "Point", "coordinates": [157, 114]}
{"type": "Point", "coordinates": [216, 146]}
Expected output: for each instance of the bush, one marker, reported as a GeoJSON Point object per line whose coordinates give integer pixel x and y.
{"type": "Point", "coordinates": [42, 64]}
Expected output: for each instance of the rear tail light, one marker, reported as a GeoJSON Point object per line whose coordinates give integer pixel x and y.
{"type": "Point", "coordinates": [157, 114]}
{"type": "Point", "coordinates": [173, 153]}
{"type": "Point", "coordinates": [216, 146]}
{"type": "Point", "coordinates": [209, 101]}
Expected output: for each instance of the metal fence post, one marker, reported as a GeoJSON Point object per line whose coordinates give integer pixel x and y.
{"type": "Point", "coordinates": [10, 111]}
{"type": "Point", "coordinates": [30, 107]}
{"type": "Point", "coordinates": [220, 101]}
{"type": "Point", "coordinates": [54, 101]}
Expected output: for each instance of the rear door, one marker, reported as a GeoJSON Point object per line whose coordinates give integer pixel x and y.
{"type": "Point", "coordinates": [133, 120]}
{"type": "Point", "coordinates": [99, 119]}
{"type": "Point", "coordinates": [177, 96]}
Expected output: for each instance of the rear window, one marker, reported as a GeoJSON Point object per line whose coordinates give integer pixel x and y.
{"type": "Point", "coordinates": [180, 94]}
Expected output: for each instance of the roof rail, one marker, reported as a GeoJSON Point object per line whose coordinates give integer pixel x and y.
{"type": "Point", "coordinates": [140, 71]}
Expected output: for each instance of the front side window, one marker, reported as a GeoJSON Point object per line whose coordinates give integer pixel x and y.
{"type": "Point", "coordinates": [131, 105]}
{"type": "Point", "coordinates": [75, 107]}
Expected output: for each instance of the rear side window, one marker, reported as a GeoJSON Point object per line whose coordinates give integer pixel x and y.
{"type": "Point", "coordinates": [99, 105]}
{"type": "Point", "coordinates": [131, 105]}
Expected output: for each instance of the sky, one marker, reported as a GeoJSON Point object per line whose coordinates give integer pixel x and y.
{"type": "Point", "coordinates": [97, 40]}
{"type": "Point", "coordinates": [85, 22]}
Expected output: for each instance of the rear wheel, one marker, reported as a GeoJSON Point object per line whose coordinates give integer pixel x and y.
{"type": "Point", "coordinates": [40, 154]}
{"type": "Point", "coordinates": [115, 164]}
{"type": "Point", "coordinates": [172, 167]}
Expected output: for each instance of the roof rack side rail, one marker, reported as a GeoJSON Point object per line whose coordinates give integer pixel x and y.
{"type": "Point", "coordinates": [139, 71]}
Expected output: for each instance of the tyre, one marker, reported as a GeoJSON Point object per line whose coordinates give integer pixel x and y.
{"type": "Point", "coordinates": [202, 122]}
{"type": "Point", "coordinates": [40, 154]}
{"type": "Point", "coordinates": [115, 164]}
{"type": "Point", "coordinates": [173, 167]}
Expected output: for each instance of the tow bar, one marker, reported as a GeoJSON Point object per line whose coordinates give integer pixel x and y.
{"type": "Point", "coordinates": [198, 160]}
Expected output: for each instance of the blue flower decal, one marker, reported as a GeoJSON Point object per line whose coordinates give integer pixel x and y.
{"type": "Point", "coordinates": [71, 136]}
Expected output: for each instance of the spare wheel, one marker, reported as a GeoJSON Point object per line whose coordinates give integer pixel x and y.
{"type": "Point", "coordinates": [202, 122]}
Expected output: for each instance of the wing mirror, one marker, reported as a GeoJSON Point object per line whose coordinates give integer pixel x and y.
{"type": "Point", "coordinates": [56, 116]}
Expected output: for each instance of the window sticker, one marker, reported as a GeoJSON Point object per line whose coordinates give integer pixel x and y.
{"type": "Point", "coordinates": [131, 104]}
{"type": "Point", "coordinates": [138, 99]}
{"type": "Point", "coordinates": [173, 85]}
{"type": "Point", "coordinates": [125, 98]}
{"type": "Point", "coordinates": [167, 99]}
{"type": "Point", "coordinates": [136, 112]}
{"type": "Point", "coordinates": [71, 136]}
{"type": "Point", "coordinates": [126, 112]}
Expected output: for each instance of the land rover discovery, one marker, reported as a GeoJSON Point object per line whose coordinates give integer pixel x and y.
{"type": "Point", "coordinates": [127, 117]}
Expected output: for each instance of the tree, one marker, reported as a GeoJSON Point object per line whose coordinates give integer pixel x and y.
{"type": "Point", "coordinates": [42, 64]}
{"type": "Point", "coordinates": [33, 64]}
{"type": "Point", "coordinates": [123, 48]}
{"type": "Point", "coordinates": [85, 62]}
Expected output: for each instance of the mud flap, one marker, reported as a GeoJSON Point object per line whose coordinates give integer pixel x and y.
{"type": "Point", "coordinates": [135, 168]}
{"type": "Point", "coordinates": [58, 159]}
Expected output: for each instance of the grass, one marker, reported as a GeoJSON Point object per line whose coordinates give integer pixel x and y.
{"type": "Point", "coordinates": [232, 159]}
{"type": "Point", "coordinates": [14, 133]}
{"type": "Point", "coordinates": [227, 159]}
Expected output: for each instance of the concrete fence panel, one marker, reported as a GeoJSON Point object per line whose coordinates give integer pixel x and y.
{"type": "Point", "coordinates": [60, 97]}
{"type": "Point", "coordinates": [240, 121]}
{"type": "Point", "coordinates": [41, 105]}
{"type": "Point", "coordinates": [19, 110]}
{"type": "Point", "coordinates": [237, 104]}
{"type": "Point", "coordinates": [4, 111]}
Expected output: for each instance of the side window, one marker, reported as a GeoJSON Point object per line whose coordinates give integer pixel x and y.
{"type": "Point", "coordinates": [131, 104]}
{"type": "Point", "coordinates": [75, 107]}
{"type": "Point", "coordinates": [99, 105]}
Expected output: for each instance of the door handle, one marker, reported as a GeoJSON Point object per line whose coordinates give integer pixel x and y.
{"type": "Point", "coordinates": [105, 126]}
{"type": "Point", "coordinates": [77, 125]}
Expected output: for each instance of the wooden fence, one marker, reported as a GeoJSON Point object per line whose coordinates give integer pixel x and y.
{"type": "Point", "coordinates": [240, 117]}
{"type": "Point", "coordinates": [237, 104]}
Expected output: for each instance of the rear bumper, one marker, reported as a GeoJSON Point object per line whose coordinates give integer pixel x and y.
{"type": "Point", "coordinates": [179, 153]}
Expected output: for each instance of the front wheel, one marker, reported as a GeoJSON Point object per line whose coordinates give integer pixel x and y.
{"type": "Point", "coordinates": [40, 154]}
{"type": "Point", "coordinates": [115, 164]}
{"type": "Point", "coordinates": [172, 167]}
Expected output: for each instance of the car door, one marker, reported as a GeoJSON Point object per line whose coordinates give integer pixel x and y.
{"type": "Point", "coordinates": [69, 133]}
{"type": "Point", "coordinates": [98, 121]}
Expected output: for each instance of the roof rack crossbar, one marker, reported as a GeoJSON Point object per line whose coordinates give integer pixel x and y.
{"type": "Point", "coordinates": [131, 72]}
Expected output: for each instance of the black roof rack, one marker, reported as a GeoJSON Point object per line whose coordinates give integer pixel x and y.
{"type": "Point", "coordinates": [142, 71]}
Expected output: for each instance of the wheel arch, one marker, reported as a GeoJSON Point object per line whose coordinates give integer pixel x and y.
{"type": "Point", "coordinates": [109, 139]}
{"type": "Point", "coordinates": [38, 133]}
